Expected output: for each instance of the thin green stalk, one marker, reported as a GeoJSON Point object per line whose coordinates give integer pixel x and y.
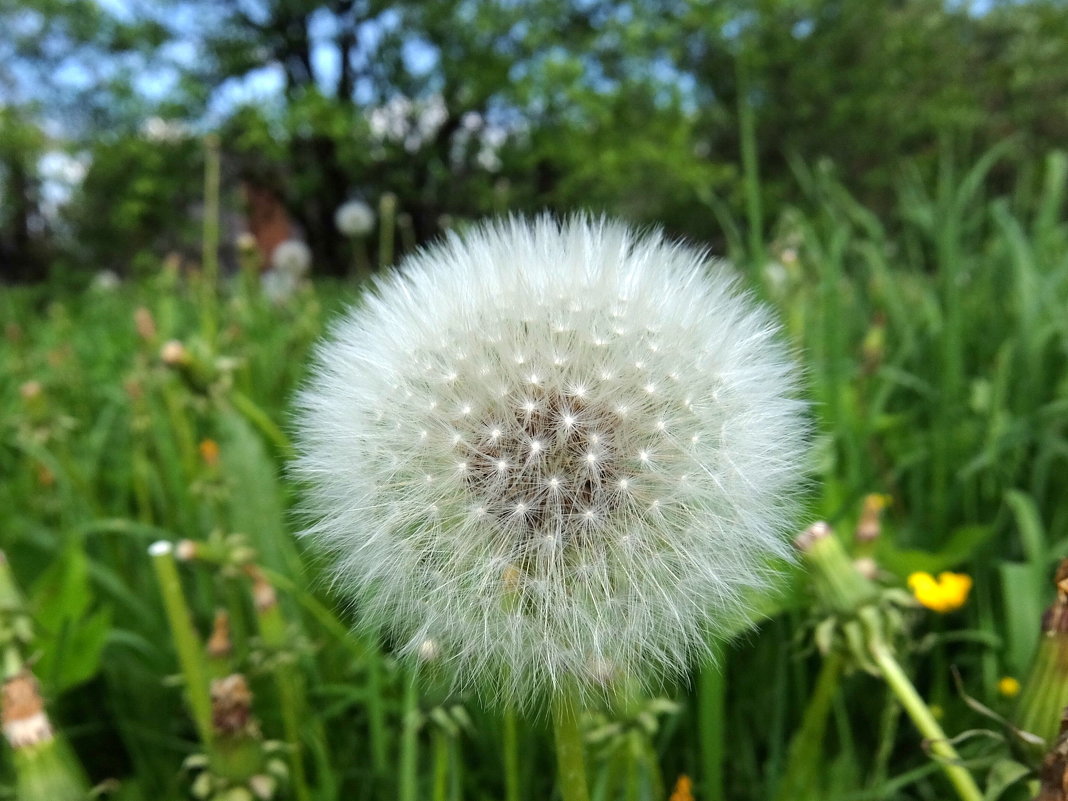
{"type": "Point", "coordinates": [408, 785]}
{"type": "Point", "coordinates": [570, 751]}
{"type": "Point", "coordinates": [186, 643]}
{"type": "Point", "coordinates": [806, 746]}
{"type": "Point", "coordinates": [750, 168]}
{"type": "Point", "coordinates": [510, 747]}
{"type": "Point", "coordinates": [262, 421]}
{"type": "Point", "coordinates": [210, 244]}
{"type": "Point", "coordinates": [441, 765]}
{"type": "Point", "coordinates": [291, 698]}
{"type": "Point", "coordinates": [387, 219]}
{"type": "Point", "coordinates": [711, 724]}
{"type": "Point", "coordinates": [376, 713]}
{"type": "Point", "coordinates": [921, 716]}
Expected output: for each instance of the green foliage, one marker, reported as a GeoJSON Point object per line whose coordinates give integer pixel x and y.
{"type": "Point", "coordinates": [935, 346]}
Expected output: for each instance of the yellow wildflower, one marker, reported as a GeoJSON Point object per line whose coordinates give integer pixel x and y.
{"type": "Point", "coordinates": [1008, 686]}
{"type": "Point", "coordinates": [683, 789]}
{"type": "Point", "coordinates": [209, 452]}
{"type": "Point", "coordinates": [945, 594]}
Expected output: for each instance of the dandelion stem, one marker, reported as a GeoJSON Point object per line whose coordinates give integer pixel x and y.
{"type": "Point", "coordinates": [441, 765]}
{"type": "Point", "coordinates": [376, 714]}
{"type": "Point", "coordinates": [570, 755]}
{"type": "Point", "coordinates": [806, 746]}
{"type": "Point", "coordinates": [921, 715]}
{"type": "Point", "coordinates": [511, 756]}
{"type": "Point", "coordinates": [408, 789]}
{"type": "Point", "coordinates": [711, 687]}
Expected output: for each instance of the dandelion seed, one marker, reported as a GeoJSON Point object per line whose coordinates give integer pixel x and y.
{"type": "Point", "coordinates": [529, 573]}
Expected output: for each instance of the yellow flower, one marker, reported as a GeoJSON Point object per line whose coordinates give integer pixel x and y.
{"type": "Point", "coordinates": [683, 789]}
{"type": "Point", "coordinates": [1008, 686]}
{"type": "Point", "coordinates": [947, 593]}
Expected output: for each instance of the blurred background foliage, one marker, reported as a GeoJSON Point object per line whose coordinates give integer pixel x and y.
{"type": "Point", "coordinates": [464, 108]}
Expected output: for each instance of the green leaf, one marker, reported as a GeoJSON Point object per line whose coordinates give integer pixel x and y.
{"type": "Point", "coordinates": [962, 545]}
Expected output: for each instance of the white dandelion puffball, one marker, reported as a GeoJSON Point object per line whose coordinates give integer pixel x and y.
{"type": "Point", "coordinates": [354, 218]}
{"type": "Point", "coordinates": [292, 257]}
{"type": "Point", "coordinates": [560, 451]}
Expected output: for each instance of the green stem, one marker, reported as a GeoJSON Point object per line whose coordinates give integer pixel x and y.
{"type": "Point", "coordinates": [512, 782]}
{"type": "Point", "coordinates": [806, 747]}
{"type": "Point", "coordinates": [408, 789]}
{"type": "Point", "coordinates": [441, 765]}
{"type": "Point", "coordinates": [376, 713]}
{"type": "Point", "coordinates": [921, 716]}
{"type": "Point", "coordinates": [570, 753]}
{"type": "Point", "coordinates": [210, 252]}
{"type": "Point", "coordinates": [291, 697]}
{"type": "Point", "coordinates": [186, 643]}
{"type": "Point", "coordinates": [261, 420]}
{"type": "Point", "coordinates": [711, 694]}
{"type": "Point", "coordinates": [750, 169]}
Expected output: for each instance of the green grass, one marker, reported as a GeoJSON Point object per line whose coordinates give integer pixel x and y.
{"type": "Point", "coordinates": [935, 342]}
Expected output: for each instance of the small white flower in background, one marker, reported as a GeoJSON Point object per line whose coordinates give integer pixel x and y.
{"type": "Point", "coordinates": [558, 451]}
{"type": "Point", "coordinates": [278, 285]}
{"type": "Point", "coordinates": [106, 281]}
{"type": "Point", "coordinates": [291, 257]}
{"type": "Point", "coordinates": [245, 242]}
{"type": "Point", "coordinates": [354, 218]}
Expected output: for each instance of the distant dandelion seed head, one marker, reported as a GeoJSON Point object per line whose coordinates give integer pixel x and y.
{"type": "Point", "coordinates": [609, 517]}
{"type": "Point", "coordinates": [292, 257]}
{"type": "Point", "coordinates": [354, 218]}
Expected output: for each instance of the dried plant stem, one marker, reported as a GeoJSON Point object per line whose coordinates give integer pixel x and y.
{"type": "Point", "coordinates": [920, 714]}
{"type": "Point", "coordinates": [570, 752]}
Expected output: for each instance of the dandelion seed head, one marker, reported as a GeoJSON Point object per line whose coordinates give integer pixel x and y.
{"type": "Point", "coordinates": [354, 218]}
{"type": "Point", "coordinates": [592, 504]}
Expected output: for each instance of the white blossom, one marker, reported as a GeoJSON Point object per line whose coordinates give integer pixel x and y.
{"type": "Point", "coordinates": [558, 451]}
{"type": "Point", "coordinates": [292, 258]}
{"type": "Point", "coordinates": [354, 218]}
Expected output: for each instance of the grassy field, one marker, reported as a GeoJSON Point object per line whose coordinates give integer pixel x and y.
{"type": "Point", "coordinates": [935, 344]}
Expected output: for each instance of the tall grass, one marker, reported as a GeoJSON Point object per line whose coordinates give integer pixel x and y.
{"type": "Point", "coordinates": [935, 341]}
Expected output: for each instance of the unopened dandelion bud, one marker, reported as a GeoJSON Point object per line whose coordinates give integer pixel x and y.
{"type": "Point", "coordinates": [840, 587]}
{"type": "Point", "coordinates": [219, 646]}
{"type": "Point", "coordinates": [25, 722]}
{"type": "Point", "coordinates": [867, 567]}
{"type": "Point", "coordinates": [174, 354]}
{"type": "Point", "coordinates": [870, 525]}
{"type": "Point", "coordinates": [231, 704]}
{"type": "Point", "coordinates": [556, 446]}
{"type": "Point", "coordinates": [209, 452]}
{"type": "Point", "coordinates": [145, 324]}
{"type": "Point", "coordinates": [264, 596]}
{"type": "Point", "coordinates": [263, 786]}
{"type": "Point", "coordinates": [30, 391]}
{"type": "Point", "coordinates": [683, 789]}
{"type": "Point", "coordinates": [1044, 691]}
